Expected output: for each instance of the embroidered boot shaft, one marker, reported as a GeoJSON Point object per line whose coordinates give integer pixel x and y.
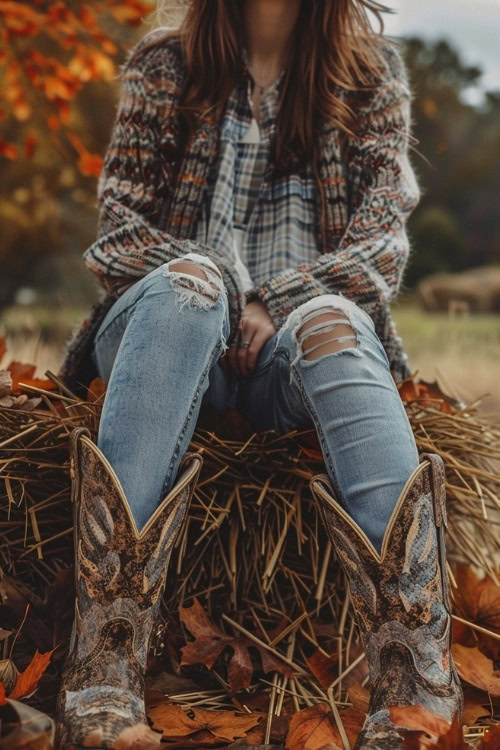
{"type": "Point", "coordinates": [120, 577]}
{"type": "Point", "coordinates": [401, 600]}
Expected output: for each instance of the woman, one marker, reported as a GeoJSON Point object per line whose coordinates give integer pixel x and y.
{"type": "Point", "coordinates": [253, 204]}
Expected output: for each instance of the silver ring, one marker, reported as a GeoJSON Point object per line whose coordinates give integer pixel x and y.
{"type": "Point", "coordinates": [244, 344]}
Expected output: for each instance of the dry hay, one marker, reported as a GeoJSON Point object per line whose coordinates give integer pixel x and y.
{"type": "Point", "coordinates": [253, 550]}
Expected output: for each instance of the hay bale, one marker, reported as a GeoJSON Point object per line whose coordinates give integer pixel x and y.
{"type": "Point", "coordinates": [253, 546]}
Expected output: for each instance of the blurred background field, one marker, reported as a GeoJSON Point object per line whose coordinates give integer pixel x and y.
{"type": "Point", "coordinates": [462, 350]}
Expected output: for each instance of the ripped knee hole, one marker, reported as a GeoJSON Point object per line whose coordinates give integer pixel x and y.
{"type": "Point", "coordinates": [323, 332]}
{"type": "Point", "coordinates": [199, 282]}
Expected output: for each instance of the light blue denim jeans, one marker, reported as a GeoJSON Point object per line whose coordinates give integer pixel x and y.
{"type": "Point", "coordinates": [159, 348]}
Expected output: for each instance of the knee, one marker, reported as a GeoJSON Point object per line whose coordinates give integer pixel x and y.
{"type": "Point", "coordinates": [324, 326]}
{"type": "Point", "coordinates": [196, 280]}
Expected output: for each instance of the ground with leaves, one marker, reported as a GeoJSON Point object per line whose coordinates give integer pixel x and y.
{"type": "Point", "coordinates": [228, 673]}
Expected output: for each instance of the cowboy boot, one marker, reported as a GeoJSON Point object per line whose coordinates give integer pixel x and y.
{"type": "Point", "coordinates": [120, 576]}
{"type": "Point", "coordinates": [401, 600]}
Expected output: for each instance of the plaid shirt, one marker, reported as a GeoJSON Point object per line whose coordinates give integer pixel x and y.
{"type": "Point", "coordinates": [152, 192]}
{"type": "Point", "coordinates": [267, 227]}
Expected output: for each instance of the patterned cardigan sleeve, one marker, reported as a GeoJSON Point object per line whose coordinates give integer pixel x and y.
{"type": "Point", "coordinates": [368, 263]}
{"type": "Point", "coordinates": [135, 180]}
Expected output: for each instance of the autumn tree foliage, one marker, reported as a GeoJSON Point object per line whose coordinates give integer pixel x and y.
{"type": "Point", "coordinates": [58, 72]}
{"type": "Point", "coordinates": [48, 52]}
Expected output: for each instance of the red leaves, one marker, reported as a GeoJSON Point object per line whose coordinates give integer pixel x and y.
{"type": "Point", "coordinates": [428, 395]}
{"type": "Point", "coordinates": [30, 73]}
{"type": "Point", "coordinates": [89, 164]}
{"type": "Point", "coordinates": [210, 642]}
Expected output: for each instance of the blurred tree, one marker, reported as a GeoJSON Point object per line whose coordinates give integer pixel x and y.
{"type": "Point", "coordinates": [460, 168]}
{"type": "Point", "coordinates": [58, 59]}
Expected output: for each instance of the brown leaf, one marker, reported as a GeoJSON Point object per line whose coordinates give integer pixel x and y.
{"type": "Point", "coordinates": [476, 668]}
{"type": "Point", "coordinates": [473, 712]}
{"type": "Point", "coordinates": [27, 681]}
{"type": "Point", "coordinates": [210, 642]}
{"type": "Point", "coordinates": [452, 740]}
{"type": "Point", "coordinates": [96, 389]}
{"type": "Point", "coordinates": [324, 668]}
{"type": "Point", "coordinates": [225, 725]}
{"type": "Point", "coordinates": [491, 740]}
{"type": "Point", "coordinates": [477, 600]}
{"type": "Point", "coordinates": [314, 728]}
{"type": "Point", "coordinates": [417, 718]}
{"type": "Point", "coordinates": [359, 697]}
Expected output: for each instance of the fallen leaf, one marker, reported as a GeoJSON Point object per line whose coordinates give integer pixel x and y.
{"type": "Point", "coordinates": [324, 668]}
{"type": "Point", "coordinates": [210, 642]}
{"type": "Point", "coordinates": [491, 740]}
{"type": "Point", "coordinates": [27, 681]}
{"type": "Point", "coordinates": [225, 725]}
{"type": "Point", "coordinates": [315, 728]}
{"type": "Point", "coordinates": [474, 667]}
{"type": "Point", "coordinates": [417, 718]}
{"type": "Point", "coordinates": [452, 740]}
{"type": "Point", "coordinates": [477, 600]}
{"type": "Point", "coordinates": [96, 389]}
{"type": "Point", "coordinates": [473, 712]}
{"type": "Point", "coordinates": [359, 697]}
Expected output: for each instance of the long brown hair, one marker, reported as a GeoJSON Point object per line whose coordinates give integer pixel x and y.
{"type": "Point", "coordinates": [334, 46]}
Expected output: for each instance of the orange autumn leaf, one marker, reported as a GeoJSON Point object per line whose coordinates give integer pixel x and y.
{"type": "Point", "coordinates": [90, 165]}
{"type": "Point", "coordinates": [478, 601]}
{"type": "Point", "coordinates": [427, 394]}
{"type": "Point", "coordinates": [8, 150]}
{"type": "Point", "coordinates": [417, 718]}
{"type": "Point", "coordinates": [28, 680]}
{"type": "Point", "coordinates": [224, 725]}
{"type": "Point", "coordinates": [314, 728]}
{"type": "Point", "coordinates": [3, 347]}
{"type": "Point", "coordinates": [324, 668]}
{"type": "Point", "coordinates": [3, 697]}
{"type": "Point", "coordinates": [359, 697]}
{"type": "Point", "coordinates": [491, 740]}
{"type": "Point", "coordinates": [452, 740]}
{"type": "Point", "coordinates": [20, 370]}
{"type": "Point", "coordinates": [475, 668]}
{"type": "Point", "coordinates": [23, 374]}
{"type": "Point", "coordinates": [96, 389]}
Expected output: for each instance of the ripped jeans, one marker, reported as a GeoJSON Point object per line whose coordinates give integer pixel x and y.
{"type": "Point", "coordinates": [159, 348]}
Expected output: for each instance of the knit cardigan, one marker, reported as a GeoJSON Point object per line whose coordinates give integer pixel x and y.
{"type": "Point", "coordinates": [151, 191]}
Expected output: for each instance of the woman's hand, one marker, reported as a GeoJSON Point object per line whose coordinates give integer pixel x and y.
{"type": "Point", "coordinates": [256, 327]}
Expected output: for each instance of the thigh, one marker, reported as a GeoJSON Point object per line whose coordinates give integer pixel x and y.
{"type": "Point", "coordinates": [268, 399]}
{"type": "Point", "coordinates": [110, 333]}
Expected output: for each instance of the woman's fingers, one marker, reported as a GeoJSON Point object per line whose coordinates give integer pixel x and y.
{"type": "Point", "coordinates": [261, 337]}
{"type": "Point", "coordinates": [246, 344]}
